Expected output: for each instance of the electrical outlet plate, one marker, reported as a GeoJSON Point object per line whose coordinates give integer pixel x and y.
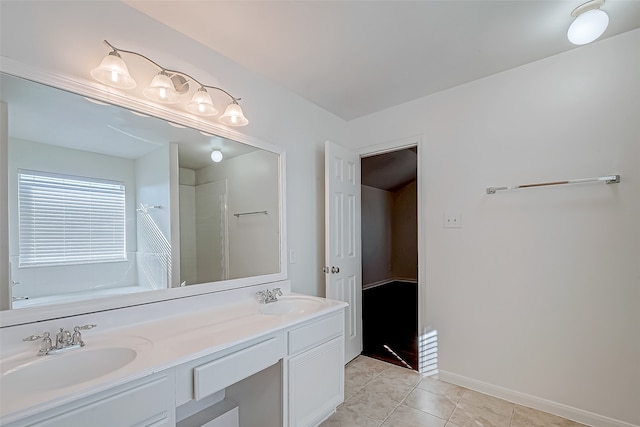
{"type": "Point", "coordinates": [452, 220]}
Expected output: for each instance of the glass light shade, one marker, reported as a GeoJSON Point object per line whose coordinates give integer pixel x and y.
{"type": "Point", "coordinates": [162, 90]}
{"type": "Point", "coordinates": [588, 26]}
{"type": "Point", "coordinates": [201, 104]}
{"type": "Point", "coordinates": [113, 72]}
{"type": "Point", "coordinates": [216, 156]}
{"type": "Point", "coordinates": [233, 116]}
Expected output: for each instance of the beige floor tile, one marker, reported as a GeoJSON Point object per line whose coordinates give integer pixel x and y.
{"type": "Point", "coordinates": [406, 376]}
{"type": "Point", "coordinates": [483, 401]}
{"type": "Point", "coordinates": [395, 388]}
{"type": "Point", "coordinates": [405, 416]}
{"type": "Point", "coordinates": [350, 389]}
{"type": "Point", "coordinates": [378, 392]}
{"type": "Point", "coordinates": [369, 364]}
{"type": "Point", "coordinates": [441, 388]}
{"type": "Point", "coordinates": [359, 372]}
{"type": "Point", "coordinates": [374, 405]}
{"type": "Point", "coordinates": [476, 409]}
{"type": "Point", "coordinates": [347, 417]}
{"type": "Point", "coordinates": [434, 404]}
{"type": "Point", "coordinates": [528, 417]}
{"type": "Point", "coordinates": [477, 418]}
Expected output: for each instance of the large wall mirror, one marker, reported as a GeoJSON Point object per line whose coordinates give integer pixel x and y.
{"type": "Point", "coordinates": [107, 204]}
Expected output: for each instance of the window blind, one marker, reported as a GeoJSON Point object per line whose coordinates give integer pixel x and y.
{"type": "Point", "coordinates": [67, 219]}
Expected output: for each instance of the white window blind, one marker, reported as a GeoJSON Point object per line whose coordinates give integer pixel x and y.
{"type": "Point", "coordinates": [70, 220]}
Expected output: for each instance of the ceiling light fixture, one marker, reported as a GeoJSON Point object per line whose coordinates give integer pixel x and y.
{"type": "Point", "coordinates": [167, 87]}
{"type": "Point", "coordinates": [590, 22]}
{"type": "Point", "coordinates": [216, 155]}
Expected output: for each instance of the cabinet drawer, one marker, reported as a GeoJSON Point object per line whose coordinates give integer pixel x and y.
{"type": "Point", "coordinates": [316, 333]}
{"type": "Point", "coordinates": [143, 405]}
{"type": "Point", "coordinates": [221, 373]}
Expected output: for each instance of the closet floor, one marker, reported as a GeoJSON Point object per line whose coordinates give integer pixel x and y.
{"type": "Point", "coordinates": [390, 323]}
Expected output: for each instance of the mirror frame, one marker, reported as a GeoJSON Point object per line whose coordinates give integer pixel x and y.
{"type": "Point", "coordinates": [13, 317]}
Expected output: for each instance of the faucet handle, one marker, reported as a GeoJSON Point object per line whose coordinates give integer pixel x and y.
{"type": "Point", "coordinates": [262, 296]}
{"type": "Point", "coordinates": [277, 291]}
{"type": "Point", "coordinates": [46, 344]}
{"type": "Point", "coordinates": [85, 327]}
{"type": "Point", "coordinates": [35, 337]}
{"type": "Point", "coordinates": [76, 339]}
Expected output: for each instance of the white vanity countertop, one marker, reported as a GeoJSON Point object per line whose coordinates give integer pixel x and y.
{"type": "Point", "coordinates": [161, 344]}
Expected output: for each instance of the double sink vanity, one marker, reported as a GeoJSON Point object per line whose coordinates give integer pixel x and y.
{"type": "Point", "coordinates": [181, 323]}
{"type": "Point", "coordinates": [207, 360]}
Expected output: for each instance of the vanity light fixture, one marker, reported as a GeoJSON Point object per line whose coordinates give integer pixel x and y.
{"type": "Point", "coordinates": [216, 155]}
{"type": "Point", "coordinates": [113, 71]}
{"type": "Point", "coordinates": [162, 89]}
{"type": "Point", "coordinates": [202, 104]}
{"type": "Point", "coordinates": [590, 22]}
{"type": "Point", "coordinates": [233, 115]}
{"type": "Point", "coordinates": [168, 87]}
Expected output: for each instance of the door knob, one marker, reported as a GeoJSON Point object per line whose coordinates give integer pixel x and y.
{"type": "Point", "coordinates": [335, 269]}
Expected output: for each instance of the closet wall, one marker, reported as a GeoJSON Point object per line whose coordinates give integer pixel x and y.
{"type": "Point", "coordinates": [389, 235]}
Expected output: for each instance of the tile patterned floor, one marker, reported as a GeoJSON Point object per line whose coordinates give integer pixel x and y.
{"type": "Point", "coordinates": [379, 394]}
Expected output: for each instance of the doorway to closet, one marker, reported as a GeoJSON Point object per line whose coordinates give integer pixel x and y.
{"type": "Point", "coordinates": [390, 256]}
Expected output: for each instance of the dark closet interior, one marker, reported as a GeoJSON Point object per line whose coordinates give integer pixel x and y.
{"type": "Point", "coordinates": [390, 257]}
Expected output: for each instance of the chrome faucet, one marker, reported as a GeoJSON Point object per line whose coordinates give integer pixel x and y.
{"type": "Point", "coordinates": [64, 341]}
{"type": "Point", "coordinates": [269, 295]}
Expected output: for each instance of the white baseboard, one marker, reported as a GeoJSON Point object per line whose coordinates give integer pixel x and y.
{"type": "Point", "coordinates": [565, 411]}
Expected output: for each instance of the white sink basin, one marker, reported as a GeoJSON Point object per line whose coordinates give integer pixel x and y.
{"type": "Point", "coordinates": [293, 304]}
{"type": "Point", "coordinates": [37, 374]}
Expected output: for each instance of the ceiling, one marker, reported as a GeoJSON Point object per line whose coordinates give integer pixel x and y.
{"type": "Point", "coordinates": [390, 171]}
{"type": "Point", "coordinates": [354, 58]}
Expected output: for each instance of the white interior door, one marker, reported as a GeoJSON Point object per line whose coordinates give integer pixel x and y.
{"type": "Point", "coordinates": [343, 252]}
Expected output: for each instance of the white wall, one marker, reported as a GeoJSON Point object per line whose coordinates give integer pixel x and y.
{"type": "Point", "coordinates": [389, 235]}
{"type": "Point", "coordinates": [5, 295]}
{"type": "Point", "coordinates": [65, 38]}
{"type": "Point", "coordinates": [187, 199]}
{"type": "Point", "coordinates": [377, 206]}
{"type": "Point", "coordinates": [154, 249]}
{"type": "Point", "coordinates": [252, 186]}
{"type": "Point", "coordinates": [538, 293]}
{"type": "Point", "coordinates": [404, 228]}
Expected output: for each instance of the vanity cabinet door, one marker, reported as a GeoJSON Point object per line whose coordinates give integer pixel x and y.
{"type": "Point", "coordinates": [143, 403]}
{"type": "Point", "coordinates": [316, 383]}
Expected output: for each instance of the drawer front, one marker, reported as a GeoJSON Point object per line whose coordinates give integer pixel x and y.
{"type": "Point", "coordinates": [221, 373]}
{"type": "Point", "coordinates": [144, 405]}
{"type": "Point", "coordinates": [315, 333]}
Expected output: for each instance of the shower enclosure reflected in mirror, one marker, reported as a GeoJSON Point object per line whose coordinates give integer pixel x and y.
{"type": "Point", "coordinates": [106, 201]}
